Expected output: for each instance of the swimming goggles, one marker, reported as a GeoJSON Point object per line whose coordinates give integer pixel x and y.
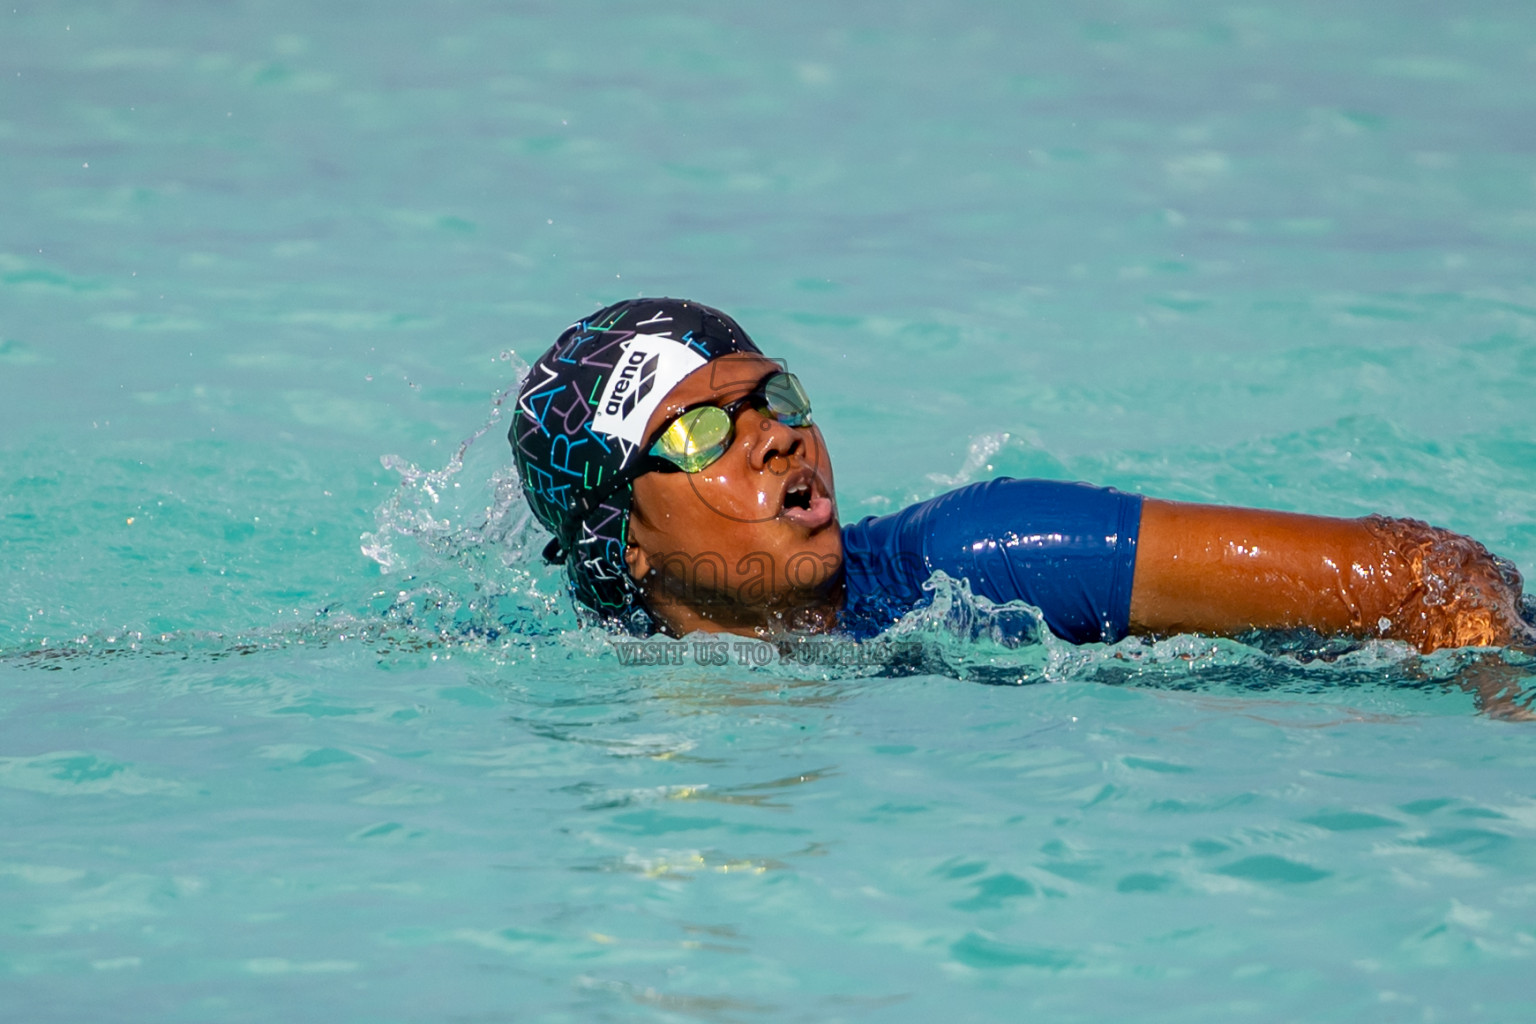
{"type": "Point", "coordinates": [699, 436]}
{"type": "Point", "coordinates": [692, 442]}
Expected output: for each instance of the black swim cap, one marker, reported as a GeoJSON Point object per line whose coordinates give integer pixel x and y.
{"type": "Point", "coordinates": [579, 432]}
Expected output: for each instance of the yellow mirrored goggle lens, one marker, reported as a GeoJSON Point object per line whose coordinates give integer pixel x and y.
{"type": "Point", "coordinates": [695, 439]}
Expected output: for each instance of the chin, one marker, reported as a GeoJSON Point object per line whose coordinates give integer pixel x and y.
{"type": "Point", "coordinates": [812, 563]}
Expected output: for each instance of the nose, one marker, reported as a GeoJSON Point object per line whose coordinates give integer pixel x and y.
{"type": "Point", "coordinates": [768, 439]}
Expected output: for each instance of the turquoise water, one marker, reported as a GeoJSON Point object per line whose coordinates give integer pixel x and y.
{"type": "Point", "coordinates": [294, 725]}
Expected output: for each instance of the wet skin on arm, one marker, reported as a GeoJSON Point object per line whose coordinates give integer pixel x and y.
{"type": "Point", "coordinates": [1213, 569]}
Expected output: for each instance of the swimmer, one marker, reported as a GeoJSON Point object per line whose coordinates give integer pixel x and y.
{"type": "Point", "coordinates": [689, 489]}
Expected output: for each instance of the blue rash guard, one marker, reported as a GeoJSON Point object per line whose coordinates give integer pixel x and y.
{"type": "Point", "coordinates": [1068, 549]}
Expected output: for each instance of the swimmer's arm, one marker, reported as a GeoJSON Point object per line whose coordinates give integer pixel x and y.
{"type": "Point", "coordinates": [1213, 569]}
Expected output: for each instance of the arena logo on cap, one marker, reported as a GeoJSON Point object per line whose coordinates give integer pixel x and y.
{"type": "Point", "coordinates": [649, 366]}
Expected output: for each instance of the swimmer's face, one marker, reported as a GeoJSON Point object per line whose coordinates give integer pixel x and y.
{"type": "Point", "coordinates": [757, 528]}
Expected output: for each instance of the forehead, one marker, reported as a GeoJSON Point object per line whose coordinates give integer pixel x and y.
{"type": "Point", "coordinates": [719, 378]}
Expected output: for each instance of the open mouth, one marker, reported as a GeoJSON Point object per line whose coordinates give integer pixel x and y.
{"type": "Point", "coordinates": [805, 502]}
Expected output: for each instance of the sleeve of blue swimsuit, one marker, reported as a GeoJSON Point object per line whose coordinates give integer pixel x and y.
{"type": "Point", "coordinates": [1068, 549]}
